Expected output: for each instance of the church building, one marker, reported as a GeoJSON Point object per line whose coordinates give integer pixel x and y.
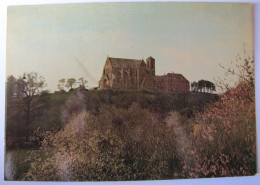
{"type": "Point", "coordinates": [134, 74]}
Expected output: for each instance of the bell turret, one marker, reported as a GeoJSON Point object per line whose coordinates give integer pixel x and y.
{"type": "Point", "coordinates": [150, 64]}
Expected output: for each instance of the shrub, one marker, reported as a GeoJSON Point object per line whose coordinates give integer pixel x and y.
{"type": "Point", "coordinates": [226, 145]}
{"type": "Point", "coordinates": [117, 144]}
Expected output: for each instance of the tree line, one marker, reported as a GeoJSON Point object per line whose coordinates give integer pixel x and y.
{"type": "Point", "coordinates": [203, 86]}
{"type": "Point", "coordinates": [71, 83]}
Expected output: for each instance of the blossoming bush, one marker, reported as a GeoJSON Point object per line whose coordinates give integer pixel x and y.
{"type": "Point", "coordinates": [118, 144]}
{"type": "Point", "coordinates": [226, 145]}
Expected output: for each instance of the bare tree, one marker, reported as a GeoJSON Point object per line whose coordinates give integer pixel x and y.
{"type": "Point", "coordinates": [29, 88]}
{"type": "Point", "coordinates": [71, 82]}
{"type": "Point", "coordinates": [61, 84]}
{"type": "Point", "coordinates": [194, 86]}
{"type": "Point", "coordinates": [82, 82]}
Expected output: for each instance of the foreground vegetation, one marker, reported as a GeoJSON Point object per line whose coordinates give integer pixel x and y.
{"type": "Point", "coordinates": [119, 135]}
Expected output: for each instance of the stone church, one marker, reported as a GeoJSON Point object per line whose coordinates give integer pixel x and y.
{"type": "Point", "coordinates": [133, 74]}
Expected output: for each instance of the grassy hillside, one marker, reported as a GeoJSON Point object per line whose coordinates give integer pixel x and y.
{"type": "Point", "coordinates": [154, 101]}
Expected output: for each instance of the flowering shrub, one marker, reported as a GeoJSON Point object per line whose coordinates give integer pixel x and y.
{"type": "Point", "coordinates": [226, 145]}
{"type": "Point", "coordinates": [118, 144]}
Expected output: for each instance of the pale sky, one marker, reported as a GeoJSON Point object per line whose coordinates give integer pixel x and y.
{"type": "Point", "coordinates": [187, 38]}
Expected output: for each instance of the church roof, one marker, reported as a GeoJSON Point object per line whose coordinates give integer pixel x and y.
{"type": "Point", "coordinates": [173, 76]}
{"type": "Point", "coordinates": [125, 63]}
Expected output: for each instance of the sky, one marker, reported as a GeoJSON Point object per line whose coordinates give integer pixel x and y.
{"type": "Point", "coordinates": [74, 40]}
